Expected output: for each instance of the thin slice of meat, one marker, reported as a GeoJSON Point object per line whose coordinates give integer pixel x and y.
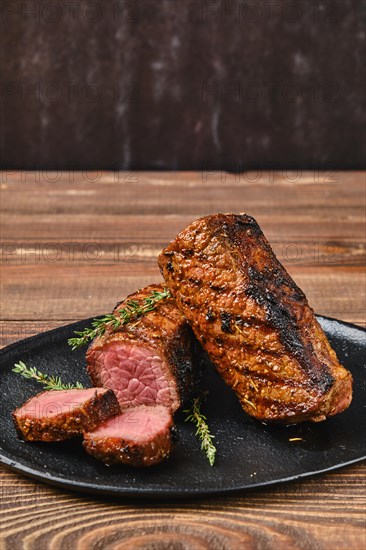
{"type": "Point", "coordinates": [59, 415]}
{"type": "Point", "coordinates": [140, 436]}
{"type": "Point", "coordinates": [151, 359]}
{"type": "Point", "coordinates": [253, 321]}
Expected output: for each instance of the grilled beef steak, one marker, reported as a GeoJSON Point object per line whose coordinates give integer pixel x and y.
{"type": "Point", "coordinates": [60, 415]}
{"type": "Point", "coordinates": [140, 436]}
{"type": "Point", "coordinates": [149, 360]}
{"type": "Point", "coordinates": [253, 321]}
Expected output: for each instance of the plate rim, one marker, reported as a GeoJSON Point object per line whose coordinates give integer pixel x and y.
{"type": "Point", "coordinates": [165, 494]}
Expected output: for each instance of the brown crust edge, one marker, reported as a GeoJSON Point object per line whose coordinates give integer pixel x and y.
{"type": "Point", "coordinates": [98, 408]}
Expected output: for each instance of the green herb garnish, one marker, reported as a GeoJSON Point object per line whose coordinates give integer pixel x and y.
{"type": "Point", "coordinates": [50, 382]}
{"type": "Point", "coordinates": [132, 311]}
{"type": "Point", "coordinates": [203, 432]}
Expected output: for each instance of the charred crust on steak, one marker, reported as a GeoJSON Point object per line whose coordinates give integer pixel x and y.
{"type": "Point", "coordinates": [217, 288]}
{"type": "Point", "coordinates": [247, 222]}
{"type": "Point", "coordinates": [210, 315]}
{"type": "Point", "coordinates": [187, 372]}
{"type": "Point", "coordinates": [280, 315]}
{"type": "Point", "coordinates": [226, 322]}
{"type": "Point", "coordinates": [194, 281]}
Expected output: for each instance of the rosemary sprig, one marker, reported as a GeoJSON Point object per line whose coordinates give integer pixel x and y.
{"type": "Point", "coordinates": [203, 432]}
{"type": "Point", "coordinates": [131, 311]}
{"type": "Point", "coordinates": [50, 382]}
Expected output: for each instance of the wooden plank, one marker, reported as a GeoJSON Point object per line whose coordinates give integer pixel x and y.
{"type": "Point", "coordinates": [187, 179]}
{"type": "Point", "coordinates": [325, 513]}
{"type": "Point", "coordinates": [162, 194]}
{"type": "Point", "coordinates": [290, 249]}
{"type": "Point", "coordinates": [336, 292]}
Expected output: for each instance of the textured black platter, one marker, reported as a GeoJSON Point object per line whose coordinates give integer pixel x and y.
{"type": "Point", "coordinates": [249, 454]}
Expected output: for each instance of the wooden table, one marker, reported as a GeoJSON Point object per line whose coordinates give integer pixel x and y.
{"type": "Point", "coordinates": [74, 243]}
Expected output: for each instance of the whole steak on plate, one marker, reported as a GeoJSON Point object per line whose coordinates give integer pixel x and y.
{"type": "Point", "coordinates": [60, 415]}
{"type": "Point", "coordinates": [152, 360]}
{"type": "Point", "coordinates": [254, 321]}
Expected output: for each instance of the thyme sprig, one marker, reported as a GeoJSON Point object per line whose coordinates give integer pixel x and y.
{"type": "Point", "coordinates": [133, 310]}
{"type": "Point", "coordinates": [50, 382]}
{"type": "Point", "coordinates": [203, 432]}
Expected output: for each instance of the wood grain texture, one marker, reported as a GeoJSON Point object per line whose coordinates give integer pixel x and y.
{"type": "Point", "coordinates": [71, 248]}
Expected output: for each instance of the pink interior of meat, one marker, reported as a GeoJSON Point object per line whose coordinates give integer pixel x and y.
{"type": "Point", "coordinates": [52, 403]}
{"type": "Point", "coordinates": [137, 423]}
{"type": "Point", "coordinates": [136, 374]}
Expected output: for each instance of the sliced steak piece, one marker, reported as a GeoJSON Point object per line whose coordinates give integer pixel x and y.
{"type": "Point", "coordinates": [149, 360]}
{"type": "Point", "coordinates": [140, 436]}
{"type": "Point", "coordinates": [253, 321]}
{"type": "Point", "coordinates": [60, 415]}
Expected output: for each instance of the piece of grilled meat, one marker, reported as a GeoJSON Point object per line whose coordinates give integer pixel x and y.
{"type": "Point", "coordinates": [141, 436]}
{"type": "Point", "coordinates": [253, 321]}
{"type": "Point", "coordinates": [60, 415]}
{"type": "Point", "coordinates": [151, 360]}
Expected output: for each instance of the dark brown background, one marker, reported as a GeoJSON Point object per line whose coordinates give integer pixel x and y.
{"type": "Point", "coordinates": [182, 84]}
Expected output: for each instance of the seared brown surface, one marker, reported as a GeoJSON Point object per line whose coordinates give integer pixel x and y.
{"type": "Point", "coordinates": [84, 417]}
{"type": "Point", "coordinates": [165, 330]}
{"type": "Point", "coordinates": [316, 225]}
{"type": "Point", "coordinates": [131, 451]}
{"type": "Point", "coordinates": [253, 320]}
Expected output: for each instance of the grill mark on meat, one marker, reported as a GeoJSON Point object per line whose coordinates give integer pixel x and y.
{"type": "Point", "coordinates": [280, 316]}
{"type": "Point", "coordinates": [279, 312]}
{"type": "Point", "coordinates": [256, 351]}
{"type": "Point", "coordinates": [265, 377]}
{"type": "Point", "coordinates": [226, 322]}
